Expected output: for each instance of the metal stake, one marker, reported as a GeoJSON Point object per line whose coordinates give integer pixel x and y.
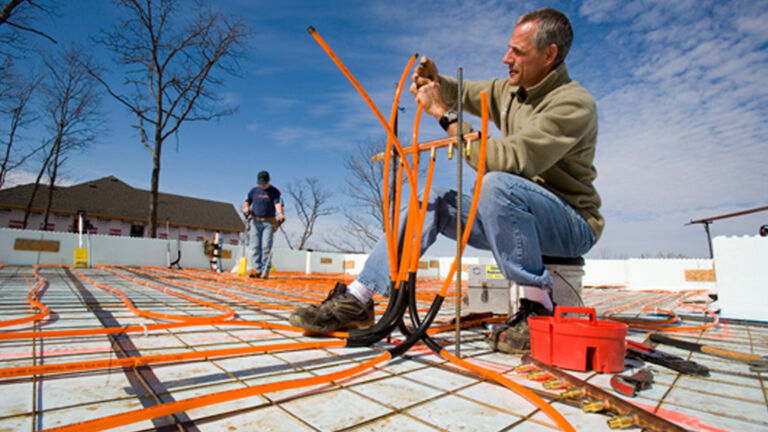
{"type": "Point", "coordinates": [460, 151]}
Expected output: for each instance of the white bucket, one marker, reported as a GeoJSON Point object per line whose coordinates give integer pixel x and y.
{"type": "Point", "coordinates": [566, 286]}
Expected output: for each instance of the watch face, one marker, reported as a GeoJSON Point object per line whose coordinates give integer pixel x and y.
{"type": "Point", "coordinates": [448, 119]}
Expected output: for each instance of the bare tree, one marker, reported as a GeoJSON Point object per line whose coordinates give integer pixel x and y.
{"type": "Point", "coordinates": [17, 14]}
{"type": "Point", "coordinates": [310, 200]}
{"type": "Point", "coordinates": [71, 102]}
{"type": "Point", "coordinates": [364, 222]}
{"type": "Point", "coordinates": [171, 66]}
{"type": "Point", "coordinates": [17, 19]}
{"type": "Point", "coordinates": [17, 108]}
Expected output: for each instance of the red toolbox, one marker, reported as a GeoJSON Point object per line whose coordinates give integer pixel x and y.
{"type": "Point", "coordinates": [576, 343]}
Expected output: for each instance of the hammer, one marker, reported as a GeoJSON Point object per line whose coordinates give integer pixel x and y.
{"type": "Point", "coordinates": [755, 362]}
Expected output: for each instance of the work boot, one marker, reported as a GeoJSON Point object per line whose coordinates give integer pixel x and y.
{"type": "Point", "coordinates": [514, 336]}
{"type": "Point", "coordinates": [339, 311]}
{"type": "Point", "coordinates": [264, 275]}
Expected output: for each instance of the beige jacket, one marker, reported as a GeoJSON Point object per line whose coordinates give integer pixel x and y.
{"type": "Point", "coordinates": [550, 138]}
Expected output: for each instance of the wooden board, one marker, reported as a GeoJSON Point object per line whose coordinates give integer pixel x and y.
{"type": "Point", "coordinates": [36, 245]}
{"type": "Point", "coordinates": [700, 276]}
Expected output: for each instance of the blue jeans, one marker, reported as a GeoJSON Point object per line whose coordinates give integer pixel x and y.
{"type": "Point", "coordinates": [260, 239]}
{"type": "Point", "coordinates": [517, 220]}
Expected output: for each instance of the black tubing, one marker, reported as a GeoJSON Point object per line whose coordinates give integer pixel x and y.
{"type": "Point", "coordinates": [421, 331]}
{"type": "Point", "coordinates": [414, 313]}
{"type": "Point", "coordinates": [385, 325]}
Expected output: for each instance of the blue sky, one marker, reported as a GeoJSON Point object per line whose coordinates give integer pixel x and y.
{"type": "Point", "coordinates": [681, 89]}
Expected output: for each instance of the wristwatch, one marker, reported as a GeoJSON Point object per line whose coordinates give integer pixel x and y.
{"type": "Point", "coordinates": [450, 117]}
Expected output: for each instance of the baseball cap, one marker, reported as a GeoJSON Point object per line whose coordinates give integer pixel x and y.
{"type": "Point", "coordinates": [263, 177]}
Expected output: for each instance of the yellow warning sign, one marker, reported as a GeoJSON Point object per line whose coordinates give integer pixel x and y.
{"type": "Point", "coordinates": [493, 272]}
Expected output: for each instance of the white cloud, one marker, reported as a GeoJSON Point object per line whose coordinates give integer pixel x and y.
{"type": "Point", "coordinates": [688, 130]}
{"type": "Point", "coordinates": [20, 177]}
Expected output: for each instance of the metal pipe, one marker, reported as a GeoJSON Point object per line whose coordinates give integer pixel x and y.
{"type": "Point", "coordinates": [610, 402]}
{"type": "Point", "coordinates": [459, 161]}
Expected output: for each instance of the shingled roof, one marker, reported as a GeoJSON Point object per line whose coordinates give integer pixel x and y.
{"type": "Point", "coordinates": [111, 198]}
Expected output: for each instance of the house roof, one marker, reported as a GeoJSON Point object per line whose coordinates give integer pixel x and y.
{"type": "Point", "coordinates": [109, 197]}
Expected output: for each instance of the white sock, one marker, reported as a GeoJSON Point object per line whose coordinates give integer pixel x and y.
{"type": "Point", "coordinates": [360, 291]}
{"type": "Point", "coordinates": [538, 295]}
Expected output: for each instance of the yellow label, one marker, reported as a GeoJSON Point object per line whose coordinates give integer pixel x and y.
{"type": "Point", "coordinates": [493, 272]}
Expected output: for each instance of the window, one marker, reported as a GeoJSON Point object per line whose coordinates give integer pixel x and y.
{"type": "Point", "coordinates": [137, 230]}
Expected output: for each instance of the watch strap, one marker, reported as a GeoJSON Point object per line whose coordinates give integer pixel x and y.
{"type": "Point", "coordinates": [450, 117]}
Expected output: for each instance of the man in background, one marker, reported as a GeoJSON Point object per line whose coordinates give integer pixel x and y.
{"type": "Point", "coordinates": [263, 206]}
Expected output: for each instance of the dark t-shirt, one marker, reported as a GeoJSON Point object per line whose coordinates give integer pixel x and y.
{"type": "Point", "coordinates": [262, 201]}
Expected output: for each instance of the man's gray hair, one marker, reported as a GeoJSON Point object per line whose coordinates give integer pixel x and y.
{"type": "Point", "coordinates": [552, 27]}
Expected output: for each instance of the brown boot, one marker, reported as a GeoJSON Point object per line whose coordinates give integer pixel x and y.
{"type": "Point", "coordinates": [339, 311]}
{"type": "Point", "coordinates": [514, 336]}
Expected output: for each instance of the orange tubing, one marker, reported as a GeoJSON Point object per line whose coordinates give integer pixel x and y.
{"type": "Point", "coordinates": [657, 326]}
{"type": "Point", "coordinates": [476, 196]}
{"type": "Point", "coordinates": [152, 327]}
{"type": "Point", "coordinates": [410, 258]}
{"type": "Point", "coordinates": [391, 136]}
{"type": "Point", "coordinates": [165, 409]}
{"type": "Point", "coordinates": [316, 298]}
{"type": "Point", "coordinates": [388, 155]}
{"type": "Point", "coordinates": [422, 214]}
{"type": "Point", "coordinates": [517, 388]}
{"type": "Point", "coordinates": [228, 312]}
{"type": "Point", "coordinates": [33, 301]}
{"type": "Point", "coordinates": [715, 322]}
{"type": "Point", "coordinates": [234, 296]}
{"type": "Point", "coordinates": [160, 358]}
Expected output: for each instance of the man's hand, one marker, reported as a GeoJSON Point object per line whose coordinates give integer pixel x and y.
{"type": "Point", "coordinates": [423, 74]}
{"type": "Point", "coordinates": [431, 99]}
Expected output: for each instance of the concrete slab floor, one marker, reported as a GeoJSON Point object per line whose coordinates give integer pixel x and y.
{"type": "Point", "coordinates": [419, 391]}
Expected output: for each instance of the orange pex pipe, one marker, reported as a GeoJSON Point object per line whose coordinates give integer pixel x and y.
{"type": "Point", "coordinates": [160, 358]}
{"type": "Point", "coordinates": [422, 214]}
{"type": "Point", "coordinates": [134, 416]}
{"type": "Point", "coordinates": [229, 312]}
{"type": "Point", "coordinates": [410, 258]}
{"type": "Point", "coordinates": [517, 388]}
{"type": "Point", "coordinates": [33, 301]}
{"type": "Point", "coordinates": [478, 188]}
{"type": "Point", "coordinates": [390, 132]}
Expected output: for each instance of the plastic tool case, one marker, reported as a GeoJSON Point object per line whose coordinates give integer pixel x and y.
{"type": "Point", "coordinates": [577, 343]}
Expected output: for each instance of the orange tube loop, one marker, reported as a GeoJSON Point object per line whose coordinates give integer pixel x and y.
{"type": "Point", "coordinates": [517, 388]}
{"type": "Point", "coordinates": [228, 312]}
{"type": "Point", "coordinates": [165, 409]}
{"type": "Point", "coordinates": [34, 303]}
{"type": "Point", "coordinates": [160, 358]}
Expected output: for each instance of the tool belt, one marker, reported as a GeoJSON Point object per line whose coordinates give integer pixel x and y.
{"type": "Point", "coordinates": [275, 223]}
{"type": "Point", "coordinates": [261, 219]}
